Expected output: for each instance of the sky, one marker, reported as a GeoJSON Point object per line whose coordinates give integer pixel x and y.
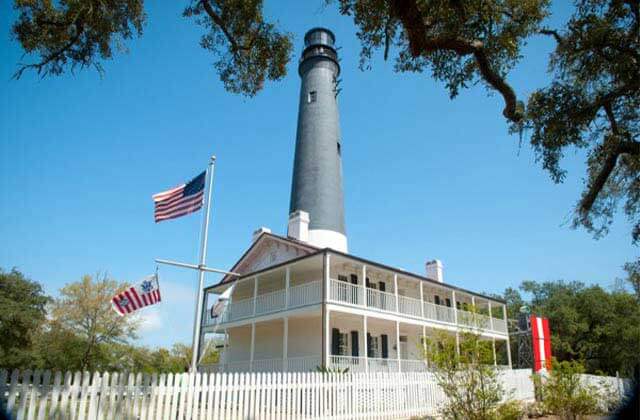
{"type": "Point", "coordinates": [424, 176]}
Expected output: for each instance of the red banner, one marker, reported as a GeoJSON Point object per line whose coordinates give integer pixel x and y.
{"type": "Point", "coordinates": [541, 343]}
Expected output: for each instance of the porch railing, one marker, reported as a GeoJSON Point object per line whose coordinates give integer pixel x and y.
{"type": "Point", "coordinates": [376, 364]}
{"type": "Point", "coordinates": [341, 291]}
{"type": "Point", "coordinates": [409, 306]}
{"type": "Point", "coordinates": [381, 300]}
{"type": "Point", "coordinates": [301, 295]}
{"type": "Point", "coordinates": [293, 364]}
{"type": "Point", "coordinates": [305, 294]}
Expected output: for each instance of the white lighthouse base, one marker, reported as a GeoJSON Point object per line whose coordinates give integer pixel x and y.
{"type": "Point", "coordinates": [328, 239]}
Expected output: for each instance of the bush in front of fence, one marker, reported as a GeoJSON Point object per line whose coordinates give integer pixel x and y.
{"type": "Point", "coordinates": [567, 393]}
{"type": "Point", "coordinates": [464, 371]}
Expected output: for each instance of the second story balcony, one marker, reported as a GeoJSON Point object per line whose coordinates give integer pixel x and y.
{"type": "Point", "coordinates": [356, 284]}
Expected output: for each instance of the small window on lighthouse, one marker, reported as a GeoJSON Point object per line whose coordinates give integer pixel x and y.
{"type": "Point", "coordinates": [312, 96]}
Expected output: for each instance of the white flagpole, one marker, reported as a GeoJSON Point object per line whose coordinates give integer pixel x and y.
{"type": "Point", "coordinates": [203, 257]}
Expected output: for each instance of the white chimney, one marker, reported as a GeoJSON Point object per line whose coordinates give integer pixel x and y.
{"type": "Point", "coordinates": [434, 270]}
{"type": "Point", "coordinates": [258, 232]}
{"type": "Point", "coordinates": [299, 226]}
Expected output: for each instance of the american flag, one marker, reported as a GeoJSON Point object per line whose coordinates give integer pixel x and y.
{"type": "Point", "coordinates": [138, 296]}
{"type": "Point", "coordinates": [181, 200]}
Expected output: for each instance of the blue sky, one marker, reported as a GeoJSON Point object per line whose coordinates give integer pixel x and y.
{"type": "Point", "coordinates": [424, 176]}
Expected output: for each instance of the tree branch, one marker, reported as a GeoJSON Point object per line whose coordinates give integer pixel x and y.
{"type": "Point", "coordinates": [220, 23]}
{"type": "Point", "coordinates": [553, 33]}
{"type": "Point", "coordinates": [51, 57]}
{"type": "Point", "coordinates": [625, 147]}
{"type": "Point", "coordinates": [409, 14]}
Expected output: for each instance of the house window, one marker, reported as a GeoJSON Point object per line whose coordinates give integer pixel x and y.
{"type": "Point", "coordinates": [436, 299]}
{"type": "Point", "coordinates": [343, 346]}
{"type": "Point", "coordinates": [374, 346]}
{"type": "Point", "coordinates": [342, 278]}
{"type": "Point", "coordinates": [448, 302]}
{"type": "Point", "coordinates": [312, 96]}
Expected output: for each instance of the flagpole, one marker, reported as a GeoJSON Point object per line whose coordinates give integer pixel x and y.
{"type": "Point", "coordinates": [203, 257]}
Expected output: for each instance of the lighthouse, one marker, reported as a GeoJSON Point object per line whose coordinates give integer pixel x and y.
{"type": "Point", "coordinates": [316, 211]}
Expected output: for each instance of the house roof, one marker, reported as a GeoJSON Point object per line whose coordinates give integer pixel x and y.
{"type": "Point", "coordinates": [315, 251]}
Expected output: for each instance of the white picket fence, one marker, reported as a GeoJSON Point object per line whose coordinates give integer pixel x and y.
{"type": "Point", "coordinates": [43, 395]}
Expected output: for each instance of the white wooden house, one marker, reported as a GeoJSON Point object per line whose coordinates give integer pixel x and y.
{"type": "Point", "coordinates": [297, 306]}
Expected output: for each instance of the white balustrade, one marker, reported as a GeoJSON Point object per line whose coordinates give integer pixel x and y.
{"type": "Point", "coordinates": [305, 294]}
{"type": "Point", "coordinates": [267, 365]}
{"type": "Point", "coordinates": [407, 365]}
{"type": "Point", "coordinates": [354, 364]}
{"type": "Point", "coordinates": [499, 325]}
{"type": "Point", "coordinates": [466, 318]}
{"type": "Point", "coordinates": [303, 364]}
{"type": "Point", "coordinates": [409, 306]}
{"type": "Point", "coordinates": [382, 365]}
{"type": "Point", "coordinates": [342, 291]}
{"type": "Point", "coordinates": [270, 302]}
{"type": "Point", "coordinates": [381, 300]}
{"type": "Point", "coordinates": [239, 310]}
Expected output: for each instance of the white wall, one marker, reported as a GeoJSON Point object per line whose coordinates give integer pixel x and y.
{"type": "Point", "coordinates": [305, 337]}
{"type": "Point", "coordinates": [268, 344]}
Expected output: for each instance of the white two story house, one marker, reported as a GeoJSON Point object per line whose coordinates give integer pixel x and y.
{"type": "Point", "coordinates": [296, 307]}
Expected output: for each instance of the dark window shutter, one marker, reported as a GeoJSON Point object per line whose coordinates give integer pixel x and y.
{"type": "Point", "coordinates": [335, 341]}
{"type": "Point", "coordinates": [448, 302]}
{"type": "Point", "coordinates": [385, 346]}
{"type": "Point", "coordinates": [354, 279]}
{"type": "Point", "coordinates": [355, 344]}
{"type": "Point", "coordinates": [382, 286]}
{"type": "Point", "coordinates": [369, 350]}
{"type": "Point", "coordinates": [368, 283]}
{"type": "Point", "coordinates": [436, 299]}
{"type": "Point", "coordinates": [342, 278]}
{"type": "Point", "coordinates": [458, 305]}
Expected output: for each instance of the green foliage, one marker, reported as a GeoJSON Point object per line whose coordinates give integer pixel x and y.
{"type": "Point", "coordinates": [71, 33]}
{"type": "Point", "coordinates": [468, 378]}
{"type": "Point", "coordinates": [511, 410]}
{"type": "Point", "coordinates": [84, 309]}
{"type": "Point", "coordinates": [23, 311]}
{"type": "Point", "coordinates": [589, 323]}
{"type": "Point", "coordinates": [248, 49]}
{"type": "Point", "coordinates": [563, 393]}
{"type": "Point", "coordinates": [593, 104]}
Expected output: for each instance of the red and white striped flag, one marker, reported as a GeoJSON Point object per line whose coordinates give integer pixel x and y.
{"type": "Point", "coordinates": [145, 293]}
{"type": "Point", "coordinates": [541, 343]}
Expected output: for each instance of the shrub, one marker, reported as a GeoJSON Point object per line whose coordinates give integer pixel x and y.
{"type": "Point", "coordinates": [510, 410]}
{"type": "Point", "coordinates": [565, 395]}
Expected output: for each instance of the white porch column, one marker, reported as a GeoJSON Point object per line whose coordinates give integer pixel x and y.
{"type": "Point", "coordinates": [365, 346]}
{"type": "Point", "coordinates": [285, 344]}
{"type": "Point", "coordinates": [253, 345]}
{"type": "Point", "coordinates": [504, 314]}
{"type": "Point", "coordinates": [458, 343]}
{"type": "Point", "coordinates": [287, 281]}
{"type": "Point", "coordinates": [493, 347]}
{"type": "Point", "coordinates": [325, 312]}
{"type": "Point", "coordinates": [255, 293]}
{"type": "Point", "coordinates": [327, 341]}
{"type": "Point", "coordinates": [421, 300]}
{"type": "Point", "coordinates": [454, 305]}
{"type": "Point", "coordinates": [398, 343]}
{"type": "Point", "coordinates": [474, 311]}
{"type": "Point", "coordinates": [225, 349]}
{"type": "Point", "coordinates": [395, 290]}
{"type": "Point", "coordinates": [490, 317]}
{"type": "Point", "coordinates": [424, 345]}
{"type": "Point", "coordinates": [364, 285]}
